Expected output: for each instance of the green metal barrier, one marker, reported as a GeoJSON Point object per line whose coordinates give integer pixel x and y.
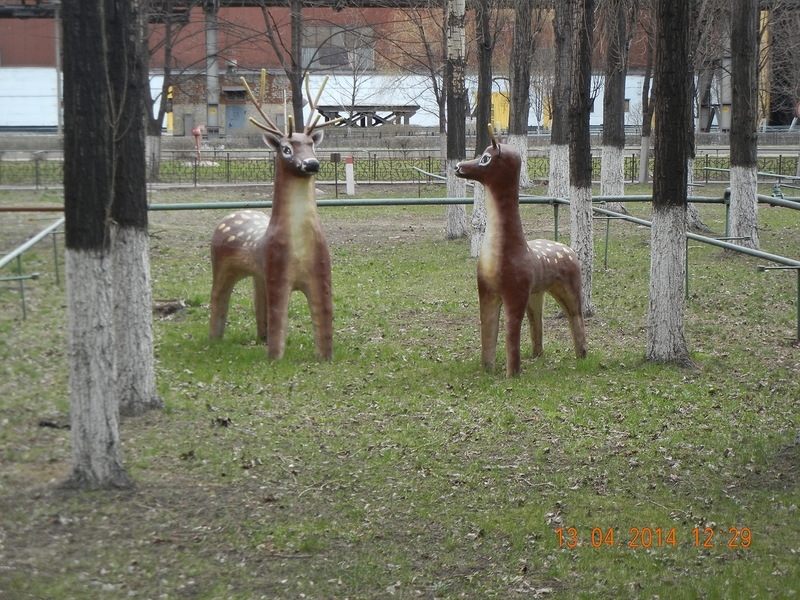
{"type": "Point", "coordinates": [17, 254]}
{"type": "Point", "coordinates": [544, 200]}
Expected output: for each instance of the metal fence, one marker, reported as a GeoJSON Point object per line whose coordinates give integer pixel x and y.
{"type": "Point", "coordinates": [370, 166]}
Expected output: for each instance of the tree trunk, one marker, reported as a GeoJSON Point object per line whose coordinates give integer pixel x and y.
{"type": "Point", "coordinates": [580, 157]}
{"type": "Point", "coordinates": [153, 124]}
{"type": "Point", "coordinates": [133, 320]}
{"type": "Point", "coordinates": [647, 114]}
{"type": "Point", "coordinates": [559, 171]}
{"type": "Point", "coordinates": [456, 214]}
{"type": "Point", "coordinates": [153, 156]}
{"type": "Point", "coordinates": [295, 73]}
{"type": "Point", "coordinates": [744, 114]}
{"type": "Point", "coordinates": [558, 186]}
{"type": "Point", "coordinates": [483, 116]}
{"type": "Point", "coordinates": [665, 318]}
{"type": "Point", "coordinates": [673, 86]}
{"type": "Point", "coordinates": [485, 49]}
{"type": "Point", "coordinates": [612, 175]}
{"type": "Point", "coordinates": [612, 170]}
{"type": "Point", "coordinates": [88, 191]}
{"type": "Point", "coordinates": [478, 220]}
{"type": "Point", "coordinates": [133, 309]}
{"type": "Point", "coordinates": [644, 159]}
{"type": "Point", "coordinates": [693, 220]}
{"type": "Point", "coordinates": [522, 49]}
{"type": "Point", "coordinates": [94, 415]}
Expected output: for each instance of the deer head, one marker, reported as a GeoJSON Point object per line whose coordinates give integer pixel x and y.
{"type": "Point", "coordinates": [498, 167]}
{"type": "Point", "coordinates": [295, 150]}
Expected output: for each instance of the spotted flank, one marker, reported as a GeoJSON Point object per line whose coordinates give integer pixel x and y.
{"type": "Point", "coordinates": [244, 228]}
{"type": "Point", "coordinates": [551, 251]}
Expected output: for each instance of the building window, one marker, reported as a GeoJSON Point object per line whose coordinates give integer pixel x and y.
{"type": "Point", "coordinates": [234, 94]}
{"type": "Point", "coordinates": [338, 48]}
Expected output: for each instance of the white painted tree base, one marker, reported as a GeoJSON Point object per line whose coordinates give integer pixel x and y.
{"type": "Point", "coordinates": [520, 144]}
{"type": "Point", "coordinates": [666, 342]}
{"type": "Point", "coordinates": [455, 214]}
{"type": "Point", "coordinates": [744, 206]}
{"type": "Point", "coordinates": [582, 240]}
{"type": "Point", "coordinates": [558, 185]}
{"type": "Point", "coordinates": [478, 220]}
{"type": "Point", "coordinates": [96, 460]}
{"type": "Point", "coordinates": [612, 176]}
{"type": "Point", "coordinates": [133, 319]}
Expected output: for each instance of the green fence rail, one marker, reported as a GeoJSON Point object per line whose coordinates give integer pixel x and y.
{"type": "Point", "coordinates": [608, 215]}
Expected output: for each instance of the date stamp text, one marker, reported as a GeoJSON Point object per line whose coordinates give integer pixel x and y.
{"type": "Point", "coordinates": [654, 537]}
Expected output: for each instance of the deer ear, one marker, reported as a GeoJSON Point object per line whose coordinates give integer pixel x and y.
{"type": "Point", "coordinates": [317, 135]}
{"type": "Point", "coordinates": [271, 140]}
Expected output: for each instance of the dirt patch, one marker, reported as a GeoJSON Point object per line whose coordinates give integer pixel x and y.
{"type": "Point", "coordinates": [781, 473]}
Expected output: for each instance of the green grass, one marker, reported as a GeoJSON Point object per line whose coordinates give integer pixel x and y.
{"type": "Point", "coordinates": [401, 469]}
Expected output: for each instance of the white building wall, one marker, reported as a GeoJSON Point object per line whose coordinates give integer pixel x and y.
{"type": "Point", "coordinates": [28, 96]}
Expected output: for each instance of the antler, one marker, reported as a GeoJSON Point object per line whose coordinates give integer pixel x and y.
{"type": "Point", "coordinates": [270, 126]}
{"type": "Point", "coordinates": [310, 125]}
{"type": "Point", "coordinates": [491, 135]}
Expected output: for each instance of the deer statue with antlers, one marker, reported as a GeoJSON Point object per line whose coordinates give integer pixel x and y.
{"type": "Point", "coordinates": [284, 252]}
{"type": "Point", "coordinates": [513, 272]}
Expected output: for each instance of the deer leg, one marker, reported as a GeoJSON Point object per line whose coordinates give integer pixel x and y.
{"type": "Point", "coordinates": [320, 305]}
{"type": "Point", "coordinates": [576, 325]}
{"type": "Point", "coordinates": [534, 312]}
{"type": "Point", "coordinates": [515, 310]}
{"type": "Point", "coordinates": [490, 323]}
{"type": "Point", "coordinates": [277, 318]}
{"type": "Point", "coordinates": [221, 289]}
{"type": "Point", "coordinates": [569, 298]}
{"type": "Point", "coordinates": [260, 307]}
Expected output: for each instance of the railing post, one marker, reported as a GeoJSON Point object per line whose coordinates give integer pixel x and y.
{"type": "Point", "coordinates": [727, 201]}
{"type": "Point", "coordinates": [555, 220]}
{"type": "Point", "coordinates": [21, 278]}
{"type": "Point", "coordinates": [21, 287]}
{"type": "Point", "coordinates": [55, 257]}
{"type": "Point", "coordinates": [686, 271]}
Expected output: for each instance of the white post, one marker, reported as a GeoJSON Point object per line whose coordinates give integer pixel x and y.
{"type": "Point", "coordinates": [349, 176]}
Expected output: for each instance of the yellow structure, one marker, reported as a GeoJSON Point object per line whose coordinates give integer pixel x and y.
{"type": "Point", "coordinates": [169, 110]}
{"type": "Point", "coordinates": [501, 109]}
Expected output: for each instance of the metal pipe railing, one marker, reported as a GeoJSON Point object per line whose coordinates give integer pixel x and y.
{"type": "Point", "coordinates": [30, 243]}
{"type": "Point", "coordinates": [555, 202]}
{"type": "Point", "coordinates": [787, 263]}
{"type": "Point", "coordinates": [17, 254]}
